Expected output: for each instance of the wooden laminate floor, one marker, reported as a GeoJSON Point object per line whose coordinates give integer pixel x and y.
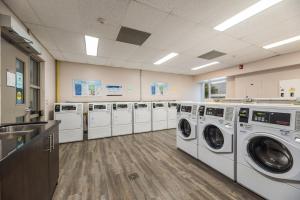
{"type": "Point", "coordinates": [100, 170]}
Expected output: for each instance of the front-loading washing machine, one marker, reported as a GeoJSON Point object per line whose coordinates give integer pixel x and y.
{"type": "Point", "coordinates": [99, 120]}
{"type": "Point", "coordinates": [268, 150]}
{"type": "Point", "coordinates": [216, 135]}
{"type": "Point", "coordinates": [142, 117]}
{"type": "Point", "coordinates": [186, 132]}
{"type": "Point", "coordinates": [159, 116]}
{"type": "Point", "coordinates": [71, 117]}
{"type": "Point", "coordinates": [172, 115]}
{"type": "Point", "coordinates": [121, 118]}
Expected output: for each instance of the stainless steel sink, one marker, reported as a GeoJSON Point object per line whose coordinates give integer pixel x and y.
{"type": "Point", "coordinates": [18, 130]}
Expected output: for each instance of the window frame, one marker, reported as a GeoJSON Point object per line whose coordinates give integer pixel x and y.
{"type": "Point", "coordinates": [24, 83]}
{"type": "Point", "coordinates": [35, 113]}
{"type": "Point", "coordinates": [206, 85]}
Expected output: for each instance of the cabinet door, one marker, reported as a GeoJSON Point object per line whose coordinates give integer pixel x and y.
{"type": "Point", "coordinates": [54, 161]}
{"type": "Point", "coordinates": [12, 186]}
{"type": "Point", "coordinates": [36, 181]}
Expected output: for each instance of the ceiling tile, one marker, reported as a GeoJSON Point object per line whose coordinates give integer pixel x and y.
{"type": "Point", "coordinates": [142, 17]}
{"type": "Point", "coordinates": [42, 33]}
{"type": "Point", "coordinates": [68, 41]}
{"type": "Point", "coordinates": [23, 9]}
{"type": "Point", "coordinates": [169, 31]}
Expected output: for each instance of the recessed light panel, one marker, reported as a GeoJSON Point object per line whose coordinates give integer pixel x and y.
{"type": "Point", "coordinates": [282, 42]}
{"type": "Point", "coordinates": [132, 36]}
{"type": "Point", "coordinates": [166, 58]}
{"type": "Point", "coordinates": [91, 45]}
{"type": "Point", "coordinates": [204, 66]}
{"type": "Point", "coordinates": [247, 13]}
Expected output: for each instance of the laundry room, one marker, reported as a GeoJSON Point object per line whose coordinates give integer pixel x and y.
{"type": "Point", "coordinates": [150, 99]}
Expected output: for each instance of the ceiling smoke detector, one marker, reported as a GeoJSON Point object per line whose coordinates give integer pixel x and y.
{"type": "Point", "coordinates": [101, 20]}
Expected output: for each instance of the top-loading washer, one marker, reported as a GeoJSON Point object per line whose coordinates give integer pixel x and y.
{"type": "Point", "coordinates": [186, 132]}
{"type": "Point", "coordinates": [159, 115]}
{"type": "Point", "coordinates": [142, 117]}
{"type": "Point", "coordinates": [121, 118]}
{"type": "Point", "coordinates": [172, 115]}
{"type": "Point", "coordinates": [71, 117]}
{"type": "Point", "coordinates": [216, 134]}
{"type": "Point", "coordinates": [268, 150]}
{"type": "Point", "coordinates": [99, 120]}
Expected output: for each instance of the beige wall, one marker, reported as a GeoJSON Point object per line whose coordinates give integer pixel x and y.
{"type": "Point", "coordinates": [263, 84]}
{"type": "Point", "coordinates": [258, 79]}
{"type": "Point", "coordinates": [131, 79]}
{"type": "Point", "coordinates": [48, 67]}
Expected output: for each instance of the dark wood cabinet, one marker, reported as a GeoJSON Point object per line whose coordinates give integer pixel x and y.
{"type": "Point", "coordinates": [54, 161]}
{"type": "Point", "coordinates": [12, 186]}
{"type": "Point", "coordinates": [32, 172]}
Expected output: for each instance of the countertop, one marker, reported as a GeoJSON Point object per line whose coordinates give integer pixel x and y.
{"type": "Point", "coordinates": [10, 143]}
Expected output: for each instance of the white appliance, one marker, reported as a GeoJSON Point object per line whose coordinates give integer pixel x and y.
{"type": "Point", "coordinates": [99, 120]}
{"type": "Point", "coordinates": [71, 117]}
{"type": "Point", "coordinates": [172, 115]}
{"type": "Point", "coordinates": [159, 116]}
{"type": "Point", "coordinates": [121, 118]}
{"type": "Point", "coordinates": [268, 150]}
{"type": "Point", "coordinates": [216, 129]}
{"type": "Point", "coordinates": [142, 117]}
{"type": "Point", "coordinates": [186, 139]}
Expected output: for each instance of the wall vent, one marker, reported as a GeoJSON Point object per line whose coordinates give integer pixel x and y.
{"type": "Point", "coordinates": [132, 36]}
{"type": "Point", "coordinates": [211, 55]}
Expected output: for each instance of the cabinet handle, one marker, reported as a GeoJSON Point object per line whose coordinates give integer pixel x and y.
{"type": "Point", "coordinates": [53, 141]}
{"type": "Point", "coordinates": [50, 143]}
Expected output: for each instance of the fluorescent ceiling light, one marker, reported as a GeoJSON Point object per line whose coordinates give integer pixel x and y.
{"type": "Point", "coordinates": [283, 42]}
{"type": "Point", "coordinates": [91, 45]}
{"type": "Point", "coordinates": [247, 13]}
{"type": "Point", "coordinates": [166, 58]}
{"type": "Point", "coordinates": [206, 65]}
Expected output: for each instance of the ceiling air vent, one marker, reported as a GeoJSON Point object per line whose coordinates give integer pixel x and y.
{"type": "Point", "coordinates": [211, 55]}
{"type": "Point", "coordinates": [132, 36]}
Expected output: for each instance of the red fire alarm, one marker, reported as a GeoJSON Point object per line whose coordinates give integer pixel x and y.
{"type": "Point", "coordinates": [241, 66]}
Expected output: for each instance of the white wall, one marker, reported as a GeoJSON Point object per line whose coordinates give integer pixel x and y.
{"type": "Point", "coordinates": [136, 82]}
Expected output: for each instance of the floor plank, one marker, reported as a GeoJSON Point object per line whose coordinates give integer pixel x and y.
{"type": "Point", "coordinates": [99, 169]}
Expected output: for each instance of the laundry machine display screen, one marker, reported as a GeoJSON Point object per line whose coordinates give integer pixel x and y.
{"type": "Point", "coordinates": [159, 105]}
{"type": "Point", "coordinates": [69, 107]}
{"type": "Point", "coordinates": [218, 112]}
{"type": "Point", "coordinates": [99, 107]}
{"type": "Point", "coordinates": [186, 109]}
{"type": "Point", "coordinates": [142, 105]}
{"type": "Point", "coordinates": [272, 117]}
{"type": "Point", "coordinates": [122, 105]}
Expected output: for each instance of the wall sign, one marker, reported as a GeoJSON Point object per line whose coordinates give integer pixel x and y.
{"type": "Point", "coordinates": [87, 88]}
{"type": "Point", "coordinates": [10, 79]}
{"type": "Point", "coordinates": [114, 90]}
{"type": "Point", "coordinates": [159, 88]}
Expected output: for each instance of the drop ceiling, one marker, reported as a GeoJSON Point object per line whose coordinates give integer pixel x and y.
{"type": "Point", "coordinates": [182, 26]}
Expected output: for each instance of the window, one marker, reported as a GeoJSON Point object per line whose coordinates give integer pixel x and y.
{"type": "Point", "coordinates": [214, 88]}
{"type": "Point", "coordinates": [34, 86]}
{"type": "Point", "coordinates": [20, 99]}
{"type": "Point", "coordinates": [218, 89]}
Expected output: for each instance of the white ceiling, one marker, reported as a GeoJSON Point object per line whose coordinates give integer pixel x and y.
{"type": "Point", "coordinates": [182, 26]}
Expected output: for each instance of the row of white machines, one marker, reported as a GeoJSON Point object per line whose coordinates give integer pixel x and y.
{"type": "Point", "coordinates": [256, 145]}
{"type": "Point", "coordinates": [108, 119]}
